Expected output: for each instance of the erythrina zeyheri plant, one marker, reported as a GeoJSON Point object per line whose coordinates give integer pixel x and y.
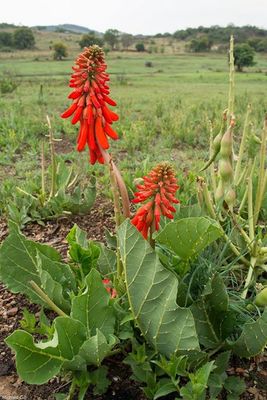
{"type": "Point", "coordinates": [90, 99]}
{"type": "Point", "coordinates": [159, 189]}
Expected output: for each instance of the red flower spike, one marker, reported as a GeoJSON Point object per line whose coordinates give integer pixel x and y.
{"type": "Point", "coordinates": [159, 188]}
{"type": "Point", "coordinates": [90, 103]}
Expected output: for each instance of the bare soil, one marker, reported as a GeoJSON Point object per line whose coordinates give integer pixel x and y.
{"type": "Point", "coordinates": [122, 387]}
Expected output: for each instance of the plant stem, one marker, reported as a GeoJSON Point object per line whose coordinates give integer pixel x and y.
{"type": "Point", "coordinates": [53, 159]}
{"type": "Point", "coordinates": [250, 210]}
{"type": "Point", "coordinates": [242, 147]}
{"type": "Point", "coordinates": [249, 277]}
{"type": "Point", "coordinates": [262, 174]}
{"type": "Point", "coordinates": [231, 81]}
{"type": "Point", "coordinates": [43, 169]}
{"type": "Point", "coordinates": [208, 201]}
{"type": "Point", "coordinates": [235, 250]}
{"type": "Point", "coordinates": [212, 172]}
{"type": "Point", "coordinates": [47, 299]}
{"type": "Point", "coordinates": [116, 197]}
{"type": "Point", "coordinates": [120, 182]}
{"type": "Point", "coordinates": [72, 389]}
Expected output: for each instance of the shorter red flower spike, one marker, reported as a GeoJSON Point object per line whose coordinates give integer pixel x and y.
{"type": "Point", "coordinates": [108, 286]}
{"type": "Point", "coordinates": [90, 99]}
{"type": "Point", "coordinates": [159, 188]}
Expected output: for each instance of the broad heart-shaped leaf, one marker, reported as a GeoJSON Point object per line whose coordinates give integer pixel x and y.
{"type": "Point", "coordinates": [18, 262]}
{"type": "Point", "coordinates": [57, 281]}
{"type": "Point", "coordinates": [253, 338]}
{"type": "Point", "coordinates": [38, 362]}
{"type": "Point", "coordinates": [95, 349]}
{"type": "Point", "coordinates": [107, 260]}
{"type": "Point", "coordinates": [92, 307]}
{"type": "Point", "coordinates": [152, 291]}
{"type": "Point", "coordinates": [210, 313]}
{"type": "Point", "coordinates": [187, 237]}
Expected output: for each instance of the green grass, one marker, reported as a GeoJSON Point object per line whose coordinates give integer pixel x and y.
{"type": "Point", "coordinates": [164, 110]}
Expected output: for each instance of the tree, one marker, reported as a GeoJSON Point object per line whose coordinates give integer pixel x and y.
{"type": "Point", "coordinates": [244, 56]}
{"type": "Point", "coordinates": [89, 39]}
{"type": "Point", "coordinates": [24, 38]}
{"type": "Point", "coordinates": [200, 44]}
{"type": "Point", "coordinates": [60, 51]}
{"type": "Point", "coordinates": [111, 37]}
{"type": "Point", "coordinates": [6, 39]}
{"type": "Point", "coordinates": [126, 40]}
{"type": "Point", "coordinates": [140, 47]}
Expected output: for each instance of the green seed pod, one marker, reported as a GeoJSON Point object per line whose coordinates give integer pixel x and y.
{"type": "Point", "coordinates": [219, 191]}
{"type": "Point", "coordinates": [261, 298]}
{"type": "Point", "coordinates": [230, 197]}
{"type": "Point", "coordinates": [226, 145]}
{"type": "Point", "coordinates": [217, 143]}
{"type": "Point", "coordinates": [226, 171]}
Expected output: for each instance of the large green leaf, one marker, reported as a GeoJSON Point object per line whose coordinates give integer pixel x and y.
{"type": "Point", "coordinates": [92, 307]}
{"type": "Point", "coordinates": [187, 237]}
{"type": "Point", "coordinates": [152, 291]}
{"type": "Point", "coordinates": [38, 362]}
{"type": "Point", "coordinates": [253, 338]}
{"type": "Point", "coordinates": [95, 349]}
{"type": "Point", "coordinates": [19, 263]}
{"type": "Point", "coordinates": [210, 312]}
{"type": "Point", "coordinates": [107, 260]}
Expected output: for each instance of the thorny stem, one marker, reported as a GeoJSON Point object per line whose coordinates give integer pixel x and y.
{"type": "Point", "coordinates": [242, 146]}
{"type": "Point", "coordinates": [262, 174]}
{"type": "Point", "coordinates": [47, 299]}
{"type": "Point", "coordinates": [53, 159]}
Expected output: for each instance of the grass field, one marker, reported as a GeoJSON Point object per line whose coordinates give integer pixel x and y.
{"type": "Point", "coordinates": [164, 109]}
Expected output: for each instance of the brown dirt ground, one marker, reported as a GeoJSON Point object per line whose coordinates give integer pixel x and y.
{"type": "Point", "coordinates": [122, 387]}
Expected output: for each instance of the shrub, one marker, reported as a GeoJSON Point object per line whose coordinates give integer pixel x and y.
{"type": "Point", "coordinates": [60, 51]}
{"type": "Point", "coordinates": [140, 47]}
{"type": "Point", "coordinates": [200, 44]}
{"type": "Point", "coordinates": [6, 39]}
{"type": "Point", "coordinates": [89, 39]}
{"type": "Point", "coordinates": [24, 38]}
{"type": "Point", "coordinates": [243, 56]}
{"type": "Point", "coordinates": [8, 83]}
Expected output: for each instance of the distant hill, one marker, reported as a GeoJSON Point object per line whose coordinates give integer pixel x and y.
{"type": "Point", "coordinates": [65, 28]}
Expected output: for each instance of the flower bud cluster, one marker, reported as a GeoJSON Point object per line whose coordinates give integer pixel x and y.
{"type": "Point", "coordinates": [90, 99]}
{"type": "Point", "coordinates": [159, 189]}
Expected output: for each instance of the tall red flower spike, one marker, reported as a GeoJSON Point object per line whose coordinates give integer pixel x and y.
{"type": "Point", "coordinates": [159, 188]}
{"type": "Point", "coordinates": [90, 99]}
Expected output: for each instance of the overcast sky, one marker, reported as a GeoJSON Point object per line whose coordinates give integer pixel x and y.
{"type": "Point", "coordinates": [135, 16]}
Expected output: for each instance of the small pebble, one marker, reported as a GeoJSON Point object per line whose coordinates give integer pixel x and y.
{"type": "Point", "coordinates": [12, 311]}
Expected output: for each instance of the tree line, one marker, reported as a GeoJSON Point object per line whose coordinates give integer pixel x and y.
{"type": "Point", "coordinates": [22, 38]}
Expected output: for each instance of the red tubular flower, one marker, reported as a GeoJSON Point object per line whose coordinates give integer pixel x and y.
{"type": "Point", "coordinates": [90, 99]}
{"type": "Point", "coordinates": [159, 188]}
